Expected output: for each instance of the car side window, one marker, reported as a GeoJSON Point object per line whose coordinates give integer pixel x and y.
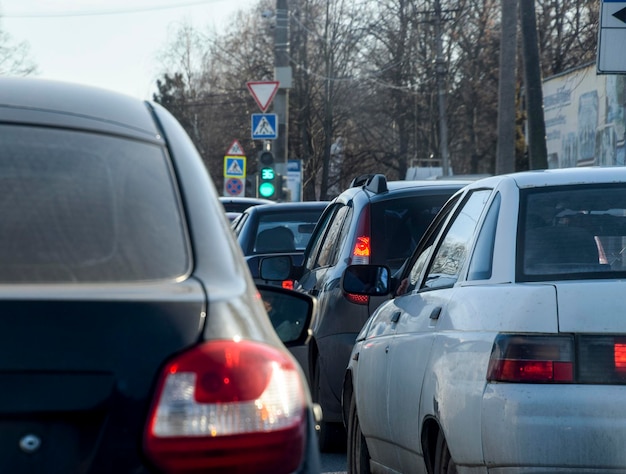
{"type": "Point", "coordinates": [453, 250]}
{"type": "Point", "coordinates": [330, 219]}
{"type": "Point", "coordinates": [481, 264]}
{"type": "Point", "coordinates": [329, 252]}
{"type": "Point", "coordinates": [426, 245]}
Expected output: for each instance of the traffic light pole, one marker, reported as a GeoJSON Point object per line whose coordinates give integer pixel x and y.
{"type": "Point", "coordinates": [282, 73]}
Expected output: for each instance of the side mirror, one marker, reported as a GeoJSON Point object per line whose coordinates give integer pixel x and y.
{"type": "Point", "coordinates": [370, 280]}
{"type": "Point", "coordinates": [291, 313]}
{"type": "Point", "coordinates": [276, 268]}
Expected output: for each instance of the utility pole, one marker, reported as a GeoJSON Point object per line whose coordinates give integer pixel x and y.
{"type": "Point", "coordinates": [537, 148]}
{"type": "Point", "coordinates": [441, 71]}
{"type": "Point", "coordinates": [505, 150]}
{"type": "Point", "coordinates": [282, 74]}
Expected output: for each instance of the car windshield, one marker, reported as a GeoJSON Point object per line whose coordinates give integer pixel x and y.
{"type": "Point", "coordinates": [83, 207]}
{"type": "Point", "coordinates": [572, 233]}
{"type": "Point", "coordinates": [286, 232]}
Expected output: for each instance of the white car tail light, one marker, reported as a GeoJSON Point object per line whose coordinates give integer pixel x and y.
{"type": "Point", "coordinates": [228, 406]}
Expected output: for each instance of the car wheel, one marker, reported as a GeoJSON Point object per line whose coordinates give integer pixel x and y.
{"type": "Point", "coordinates": [444, 464]}
{"type": "Point", "coordinates": [358, 454]}
{"type": "Point", "coordinates": [331, 436]}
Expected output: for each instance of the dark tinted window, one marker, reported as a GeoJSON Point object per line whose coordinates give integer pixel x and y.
{"type": "Point", "coordinates": [81, 207]}
{"type": "Point", "coordinates": [398, 225]}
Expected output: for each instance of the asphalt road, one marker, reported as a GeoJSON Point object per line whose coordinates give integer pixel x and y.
{"type": "Point", "coordinates": [334, 463]}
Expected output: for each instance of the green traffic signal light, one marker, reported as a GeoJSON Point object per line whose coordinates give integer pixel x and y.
{"type": "Point", "coordinates": [267, 189]}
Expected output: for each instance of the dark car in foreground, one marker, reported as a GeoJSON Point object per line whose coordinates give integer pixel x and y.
{"type": "Point", "coordinates": [132, 336]}
{"type": "Point", "coordinates": [373, 221]}
{"type": "Point", "coordinates": [280, 228]}
{"type": "Point", "coordinates": [507, 350]}
{"type": "Point", "coordinates": [235, 205]}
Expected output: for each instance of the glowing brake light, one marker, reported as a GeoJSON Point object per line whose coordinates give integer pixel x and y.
{"type": "Point", "coordinates": [288, 284]}
{"type": "Point", "coordinates": [228, 406]}
{"type": "Point", "coordinates": [619, 355]}
{"type": "Point", "coordinates": [361, 248]}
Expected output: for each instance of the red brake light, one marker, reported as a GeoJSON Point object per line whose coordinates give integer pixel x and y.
{"type": "Point", "coordinates": [288, 284]}
{"type": "Point", "coordinates": [361, 249]}
{"type": "Point", "coordinates": [228, 406]}
{"type": "Point", "coordinates": [619, 355]}
{"type": "Point", "coordinates": [532, 359]}
{"type": "Point", "coordinates": [357, 299]}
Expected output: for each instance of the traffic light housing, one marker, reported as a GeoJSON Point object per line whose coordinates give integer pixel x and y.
{"type": "Point", "coordinates": [268, 178]}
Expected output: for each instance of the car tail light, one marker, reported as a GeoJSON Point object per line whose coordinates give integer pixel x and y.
{"type": "Point", "coordinates": [361, 251]}
{"type": "Point", "coordinates": [532, 359]}
{"type": "Point", "coordinates": [361, 248]}
{"type": "Point", "coordinates": [288, 284]}
{"type": "Point", "coordinates": [228, 406]}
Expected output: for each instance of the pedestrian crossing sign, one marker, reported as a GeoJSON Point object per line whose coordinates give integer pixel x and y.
{"type": "Point", "coordinates": [234, 166]}
{"type": "Point", "coordinates": [264, 126]}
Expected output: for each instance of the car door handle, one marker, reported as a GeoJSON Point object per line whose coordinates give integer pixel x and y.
{"type": "Point", "coordinates": [314, 292]}
{"type": "Point", "coordinates": [434, 314]}
{"type": "Point", "coordinates": [355, 357]}
{"type": "Point", "coordinates": [396, 316]}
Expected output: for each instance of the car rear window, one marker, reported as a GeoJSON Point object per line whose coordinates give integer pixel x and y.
{"type": "Point", "coordinates": [572, 232]}
{"type": "Point", "coordinates": [398, 225]}
{"type": "Point", "coordinates": [285, 232]}
{"type": "Point", "coordinates": [84, 207]}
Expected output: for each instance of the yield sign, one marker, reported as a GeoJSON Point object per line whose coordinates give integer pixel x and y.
{"type": "Point", "coordinates": [263, 92]}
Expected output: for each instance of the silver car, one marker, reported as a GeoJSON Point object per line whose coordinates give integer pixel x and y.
{"type": "Point", "coordinates": [506, 349]}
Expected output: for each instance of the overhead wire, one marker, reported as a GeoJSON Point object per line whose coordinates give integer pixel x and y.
{"type": "Point", "coordinates": [117, 11]}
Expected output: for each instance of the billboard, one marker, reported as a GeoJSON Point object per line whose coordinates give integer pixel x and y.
{"type": "Point", "coordinates": [585, 118]}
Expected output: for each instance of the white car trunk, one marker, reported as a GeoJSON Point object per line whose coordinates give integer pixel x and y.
{"type": "Point", "coordinates": [592, 306]}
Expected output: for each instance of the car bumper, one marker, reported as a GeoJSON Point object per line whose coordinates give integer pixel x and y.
{"type": "Point", "coordinates": [554, 428]}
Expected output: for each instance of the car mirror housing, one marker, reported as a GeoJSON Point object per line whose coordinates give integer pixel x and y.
{"type": "Point", "coordinates": [275, 268]}
{"type": "Point", "coordinates": [370, 280]}
{"type": "Point", "coordinates": [290, 312]}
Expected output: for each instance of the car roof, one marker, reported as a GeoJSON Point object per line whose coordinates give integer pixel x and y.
{"type": "Point", "coordinates": [246, 199]}
{"type": "Point", "coordinates": [376, 190]}
{"type": "Point", "coordinates": [558, 177]}
{"type": "Point", "coordinates": [281, 207]}
{"type": "Point", "coordinates": [41, 101]}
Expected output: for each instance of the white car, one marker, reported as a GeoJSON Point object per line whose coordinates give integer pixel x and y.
{"type": "Point", "coordinates": [507, 350]}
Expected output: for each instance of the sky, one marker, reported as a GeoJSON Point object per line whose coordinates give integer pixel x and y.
{"type": "Point", "coordinates": [113, 44]}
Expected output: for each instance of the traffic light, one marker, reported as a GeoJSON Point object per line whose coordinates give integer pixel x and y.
{"type": "Point", "coordinates": [267, 183]}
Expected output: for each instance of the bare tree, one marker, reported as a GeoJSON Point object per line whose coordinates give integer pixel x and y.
{"type": "Point", "coordinates": [15, 58]}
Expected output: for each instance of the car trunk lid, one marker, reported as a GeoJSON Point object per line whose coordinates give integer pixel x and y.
{"type": "Point", "coordinates": [77, 369]}
{"type": "Point", "coordinates": [591, 306]}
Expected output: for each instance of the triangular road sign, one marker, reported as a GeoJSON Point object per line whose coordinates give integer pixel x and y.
{"type": "Point", "coordinates": [263, 92]}
{"type": "Point", "coordinates": [235, 149]}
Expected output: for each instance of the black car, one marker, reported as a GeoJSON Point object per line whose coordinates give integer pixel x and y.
{"type": "Point", "coordinates": [373, 221]}
{"type": "Point", "coordinates": [132, 336]}
{"type": "Point", "coordinates": [279, 228]}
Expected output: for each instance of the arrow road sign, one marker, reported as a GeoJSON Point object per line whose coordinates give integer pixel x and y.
{"type": "Point", "coordinates": [610, 57]}
{"type": "Point", "coordinates": [263, 92]}
{"type": "Point", "coordinates": [264, 126]}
